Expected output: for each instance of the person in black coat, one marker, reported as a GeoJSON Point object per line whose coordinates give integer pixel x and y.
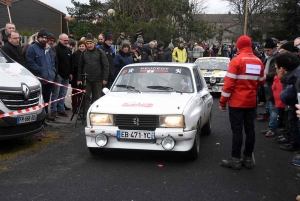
{"type": "Point", "coordinates": [167, 56]}
{"type": "Point", "coordinates": [75, 63]}
{"type": "Point", "coordinates": [12, 48]}
{"type": "Point", "coordinates": [107, 49]}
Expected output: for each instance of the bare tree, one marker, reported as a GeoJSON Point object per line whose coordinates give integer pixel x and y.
{"type": "Point", "coordinates": [198, 6]}
{"type": "Point", "coordinates": [257, 10]}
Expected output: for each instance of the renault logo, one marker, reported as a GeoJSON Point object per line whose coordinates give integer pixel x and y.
{"type": "Point", "coordinates": [136, 121]}
{"type": "Point", "coordinates": [26, 91]}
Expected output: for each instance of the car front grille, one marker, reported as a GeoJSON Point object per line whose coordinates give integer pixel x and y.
{"type": "Point", "coordinates": [15, 101]}
{"type": "Point", "coordinates": [14, 130]}
{"type": "Point", "coordinates": [138, 122]}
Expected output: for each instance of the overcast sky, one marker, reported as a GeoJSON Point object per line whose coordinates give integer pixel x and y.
{"type": "Point", "coordinates": [215, 6]}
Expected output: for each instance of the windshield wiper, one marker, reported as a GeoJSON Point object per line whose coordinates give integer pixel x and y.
{"type": "Point", "coordinates": [131, 88]}
{"type": "Point", "coordinates": [163, 88]}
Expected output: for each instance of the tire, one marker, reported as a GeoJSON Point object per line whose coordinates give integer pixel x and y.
{"type": "Point", "coordinates": [206, 129]}
{"type": "Point", "coordinates": [96, 151]}
{"type": "Point", "coordinates": [194, 152]}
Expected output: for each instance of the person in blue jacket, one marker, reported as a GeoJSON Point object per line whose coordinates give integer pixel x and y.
{"type": "Point", "coordinates": [41, 64]}
{"type": "Point", "coordinates": [122, 58]}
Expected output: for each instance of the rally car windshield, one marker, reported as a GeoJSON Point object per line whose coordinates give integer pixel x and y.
{"type": "Point", "coordinates": [4, 58]}
{"type": "Point", "coordinates": [212, 64]}
{"type": "Point", "coordinates": [154, 79]}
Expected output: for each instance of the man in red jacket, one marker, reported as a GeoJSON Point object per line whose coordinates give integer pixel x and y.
{"type": "Point", "coordinates": [244, 75]}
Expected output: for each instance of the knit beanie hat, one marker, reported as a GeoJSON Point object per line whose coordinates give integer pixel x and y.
{"type": "Point", "coordinates": [72, 42]}
{"type": "Point", "coordinates": [50, 36]}
{"type": "Point", "coordinates": [269, 43]}
{"type": "Point", "coordinates": [289, 46]}
{"type": "Point", "coordinates": [42, 33]}
{"type": "Point", "coordinates": [171, 46]}
{"type": "Point", "coordinates": [140, 39]}
{"type": "Point", "coordinates": [125, 44]}
{"type": "Point", "coordinates": [243, 41]}
{"type": "Point", "coordinates": [89, 38]}
{"type": "Point", "coordinates": [108, 36]}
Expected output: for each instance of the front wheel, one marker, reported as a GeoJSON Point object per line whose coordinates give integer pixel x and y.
{"type": "Point", "coordinates": [96, 151]}
{"type": "Point", "coordinates": [195, 150]}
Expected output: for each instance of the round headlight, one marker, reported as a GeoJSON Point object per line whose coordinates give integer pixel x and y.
{"type": "Point", "coordinates": [168, 143]}
{"type": "Point", "coordinates": [215, 88]}
{"type": "Point", "coordinates": [212, 80]}
{"type": "Point", "coordinates": [101, 140]}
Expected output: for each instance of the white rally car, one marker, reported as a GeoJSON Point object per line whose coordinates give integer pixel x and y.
{"type": "Point", "coordinates": [214, 70]}
{"type": "Point", "coordinates": [152, 106]}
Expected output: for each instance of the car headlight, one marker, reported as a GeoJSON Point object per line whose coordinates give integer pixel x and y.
{"type": "Point", "coordinates": [212, 79]}
{"type": "Point", "coordinates": [102, 119]}
{"type": "Point", "coordinates": [171, 121]}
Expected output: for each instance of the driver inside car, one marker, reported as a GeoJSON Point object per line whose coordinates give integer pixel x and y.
{"type": "Point", "coordinates": [177, 83]}
{"type": "Point", "coordinates": [144, 82]}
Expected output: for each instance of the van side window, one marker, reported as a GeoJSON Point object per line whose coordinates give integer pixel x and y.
{"type": "Point", "coordinates": [197, 79]}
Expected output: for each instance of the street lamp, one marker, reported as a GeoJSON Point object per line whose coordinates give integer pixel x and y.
{"type": "Point", "coordinates": [111, 14]}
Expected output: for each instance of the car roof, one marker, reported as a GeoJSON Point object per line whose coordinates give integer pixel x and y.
{"type": "Point", "coordinates": [163, 64]}
{"type": "Point", "coordinates": [217, 58]}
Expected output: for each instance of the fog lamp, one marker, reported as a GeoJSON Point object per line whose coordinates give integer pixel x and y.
{"type": "Point", "coordinates": [168, 143]}
{"type": "Point", "coordinates": [101, 140]}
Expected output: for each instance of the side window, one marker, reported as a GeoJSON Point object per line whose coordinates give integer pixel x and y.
{"type": "Point", "coordinates": [197, 79]}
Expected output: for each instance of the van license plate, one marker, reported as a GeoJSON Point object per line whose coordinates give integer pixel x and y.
{"type": "Point", "coordinates": [26, 118]}
{"type": "Point", "coordinates": [143, 135]}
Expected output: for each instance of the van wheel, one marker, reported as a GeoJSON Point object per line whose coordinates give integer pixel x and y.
{"type": "Point", "coordinates": [206, 129]}
{"type": "Point", "coordinates": [96, 151]}
{"type": "Point", "coordinates": [195, 150]}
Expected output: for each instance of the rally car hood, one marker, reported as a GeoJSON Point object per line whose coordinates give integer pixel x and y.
{"type": "Point", "coordinates": [215, 73]}
{"type": "Point", "coordinates": [136, 103]}
{"type": "Point", "coordinates": [12, 75]}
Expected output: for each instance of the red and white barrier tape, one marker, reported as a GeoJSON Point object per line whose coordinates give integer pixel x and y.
{"type": "Point", "coordinates": [34, 108]}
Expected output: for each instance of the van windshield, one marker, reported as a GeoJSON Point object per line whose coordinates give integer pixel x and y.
{"type": "Point", "coordinates": [4, 58]}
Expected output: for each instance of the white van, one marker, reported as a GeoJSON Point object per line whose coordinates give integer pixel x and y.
{"type": "Point", "coordinates": [19, 89]}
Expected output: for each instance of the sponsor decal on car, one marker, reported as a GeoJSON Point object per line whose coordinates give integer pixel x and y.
{"type": "Point", "coordinates": [136, 104]}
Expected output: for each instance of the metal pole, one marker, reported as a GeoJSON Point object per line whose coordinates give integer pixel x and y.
{"type": "Point", "coordinates": [9, 14]}
{"type": "Point", "coordinates": [246, 18]}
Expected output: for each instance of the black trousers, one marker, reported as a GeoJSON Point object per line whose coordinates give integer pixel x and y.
{"type": "Point", "coordinates": [239, 118]}
{"type": "Point", "coordinates": [46, 91]}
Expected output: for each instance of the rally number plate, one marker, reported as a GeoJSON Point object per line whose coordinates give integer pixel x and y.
{"type": "Point", "coordinates": [143, 135]}
{"type": "Point", "coordinates": [26, 118]}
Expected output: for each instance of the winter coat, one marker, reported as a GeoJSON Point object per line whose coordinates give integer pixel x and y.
{"type": "Point", "coordinates": [270, 76]}
{"type": "Point", "coordinates": [64, 55]}
{"type": "Point", "coordinates": [75, 65]}
{"type": "Point", "coordinates": [277, 88]}
{"type": "Point", "coordinates": [240, 87]}
{"type": "Point", "coordinates": [110, 58]}
{"type": "Point", "coordinates": [158, 55]}
{"type": "Point", "coordinates": [120, 60]}
{"type": "Point", "coordinates": [14, 52]}
{"type": "Point", "coordinates": [179, 55]}
{"type": "Point", "coordinates": [289, 94]}
{"type": "Point", "coordinates": [95, 64]}
{"type": "Point", "coordinates": [167, 56]}
{"type": "Point", "coordinates": [40, 63]}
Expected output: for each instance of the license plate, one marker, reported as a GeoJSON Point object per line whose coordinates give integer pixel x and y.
{"type": "Point", "coordinates": [143, 135]}
{"type": "Point", "coordinates": [26, 118]}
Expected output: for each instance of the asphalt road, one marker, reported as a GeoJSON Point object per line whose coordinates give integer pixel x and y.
{"type": "Point", "coordinates": [66, 171]}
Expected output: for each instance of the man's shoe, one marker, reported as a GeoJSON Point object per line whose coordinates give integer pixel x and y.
{"type": "Point", "coordinates": [247, 162]}
{"type": "Point", "coordinates": [270, 134]}
{"type": "Point", "coordinates": [288, 147]}
{"type": "Point", "coordinates": [67, 108]}
{"type": "Point", "coordinates": [262, 113]}
{"type": "Point", "coordinates": [261, 104]}
{"type": "Point", "coordinates": [50, 118]}
{"type": "Point", "coordinates": [264, 131]}
{"type": "Point", "coordinates": [264, 118]}
{"type": "Point", "coordinates": [298, 176]}
{"type": "Point", "coordinates": [278, 137]}
{"type": "Point", "coordinates": [54, 114]}
{"type": "Point", "coordinates": [46, 123]}
{"type": "Point", "coordinates": [282, 140]}
{"type": "Point", "coordinates": [63, 114]}
{"type": "Point", "coordinates": [234, 163]}
{"type": "Point", "coordinates": [296, 161]}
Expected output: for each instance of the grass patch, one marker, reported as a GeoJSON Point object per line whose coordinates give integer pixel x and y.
{"type": "Point", "coordinates": [12, 148]}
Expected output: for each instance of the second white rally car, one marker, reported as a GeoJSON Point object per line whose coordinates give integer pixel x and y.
{"type": "Point", "coordinates": [152, 106]}
{"type": "Point", "coordinates": [214, 70]}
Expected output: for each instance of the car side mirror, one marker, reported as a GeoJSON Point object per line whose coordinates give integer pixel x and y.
{"type": "Point", "coordinates": [105, 90]}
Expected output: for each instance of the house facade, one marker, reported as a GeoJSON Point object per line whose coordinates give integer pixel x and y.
{"type": "Point", "coordinates": [32, 15]}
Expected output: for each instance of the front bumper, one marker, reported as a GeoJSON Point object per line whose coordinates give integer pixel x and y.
{"type": "Point", "coordinates": [10, 129]}
{"type": "Point", "coordinates": [182, 143]}
{"type": "Point", "coordinates": [217, 87]}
